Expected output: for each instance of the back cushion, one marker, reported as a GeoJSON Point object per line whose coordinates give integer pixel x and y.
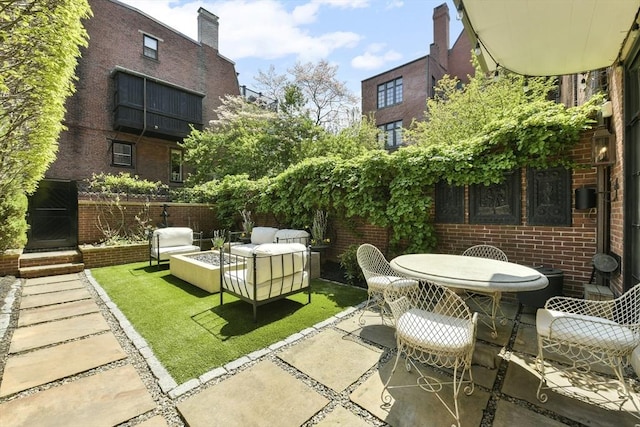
{"type": "Point", "coordinates": [274, 261]}
{"type": "Point", "coordinates": [172, 236]}
{"type": "Point", "coordinates": [261, 235]}
{"type": "Point", "coordinates": [292, 236]}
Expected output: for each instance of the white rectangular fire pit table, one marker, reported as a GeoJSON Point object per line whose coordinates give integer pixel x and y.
{"type": "Point", "coordinates": [471, 273]}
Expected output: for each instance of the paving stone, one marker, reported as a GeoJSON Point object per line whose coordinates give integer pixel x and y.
{"type": "Point", "coordinates": [373, 330]}
{"type": "Point", "coordinates": [52, 287]}
{"type": "Point", "coordinates": [55, 312]}
{"type": "Point", "coordinates": [51, 279]}
{"type": "Point", "coordinates": [32, 301]}
{"type": "Point", "coordinates": [105, 399]}
{"type": "Point", "coordinates": [30, 337]}
{"type": "Point", "coordinates": [484, 330]}
{"type": "Point", "coordinates": [42, 366]}
{"type": "Point", "coordinates": [343, 360]}
{"type": "Point", "coordinates": [412, 406]}
{"type": "Point", "coordinates": [573, 400]}
{"type": "Point", "coordinates": [263, 395]}
{"type": "Point", "coordinates": [342, 417]}
{"type": "Point", "coordinates": [156, 421]}
{"type": "Point", "coordinates": [509, 415]}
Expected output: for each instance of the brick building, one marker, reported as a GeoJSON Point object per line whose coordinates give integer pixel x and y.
{"type": "Point", "coordinates": [141, 85]}
{"type": "Point", "coordinates": [398, 96]}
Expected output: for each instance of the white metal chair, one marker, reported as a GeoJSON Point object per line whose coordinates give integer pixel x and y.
{"type": "Point", "coordinates": [434, 326]}
{"type": "Point", "coordinates": [590, 332]}
{"type": "Point", "coordinates": [378, 274]}
{"type": "Point", "coordinates": [488, 302]}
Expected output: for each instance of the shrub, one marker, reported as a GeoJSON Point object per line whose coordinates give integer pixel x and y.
{"type": "Point", "coordinates": [13, 225]}
{"type": "Point", "coordinates": [352, 270]}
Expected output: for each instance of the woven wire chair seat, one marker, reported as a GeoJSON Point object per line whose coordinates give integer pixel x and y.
{"type": "Point", "coordinates": [488, 302]}
{"type": "Point", "coordinates": [588, 333]}
{"type": "Point", "coordinates": [435, 327]}
{"type": "Point", "coordinates": [379, 276]}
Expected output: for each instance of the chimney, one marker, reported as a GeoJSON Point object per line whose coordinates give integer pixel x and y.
{"type": "Point", "coordinates": [208, 28]}
{"type": "Point", "coordinates": [439, 49]}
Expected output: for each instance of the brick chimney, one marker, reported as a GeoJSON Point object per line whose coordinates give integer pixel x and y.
{"type": "Point", "coordinates": [208, 28]}
{"type": "Point", "coordinates": [439, 49]}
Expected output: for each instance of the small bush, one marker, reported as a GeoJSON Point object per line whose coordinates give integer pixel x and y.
{"type": "Point", "coordinates": [13, 225]}
{"type": "Point", "coordinates": [352, 271]}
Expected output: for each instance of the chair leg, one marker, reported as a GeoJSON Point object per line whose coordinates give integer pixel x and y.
{"type": "Point", "coordinates": [373, 299]}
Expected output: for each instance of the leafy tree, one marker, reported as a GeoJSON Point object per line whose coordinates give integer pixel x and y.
{"type": "Point", "coordinates": [327, 101]}
{"type": "Point", "coordinates": [37, 63]}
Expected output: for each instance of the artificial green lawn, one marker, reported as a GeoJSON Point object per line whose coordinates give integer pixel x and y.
{"type": "Point", "coordinates": [188, 330]}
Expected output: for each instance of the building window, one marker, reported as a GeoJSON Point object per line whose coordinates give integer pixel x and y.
{"type": "Point", "coordinates": [390, 93]}
{"type": "Point", "coordinates": [391, 134]}
{"type": "Point", "coordinates": [150, 49]}
{"type": "Point", "coordinates": [176, 165]}
{"type": "Point", "coordinates": [122, 154]}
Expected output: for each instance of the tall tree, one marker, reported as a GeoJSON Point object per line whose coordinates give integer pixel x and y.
{"type": "Point", "coordinates": [40, 41]}
{"type": "Point", "coordinates": [327, 101]}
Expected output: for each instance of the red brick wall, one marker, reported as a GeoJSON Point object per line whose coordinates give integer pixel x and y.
{"type": "Point", "coordinates": [9, 263]}
{"type": "Point", "coordinates": [113, 255]}
{"type": "Point", "coordinates": [199, 217]}
{"type": "Point", "coordinates": [116, 38]}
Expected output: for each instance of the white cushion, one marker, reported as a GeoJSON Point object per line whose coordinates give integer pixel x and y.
{"type": "Point", "coordinates": [235, 280]}
{"type": "Point", "coordinates": [243, 250]}
{"type": "Point", "coordinates": [583, 329]}
{"type": "Point", "coordinates": [172, 236]}
{"type": "Point", "coordinates": [261, 235]}
{"type": "Point", "coordinates": [165, 253]}
{"type": "Point", "coordinates": [635, 360]}
{"type": "Point", "coordinates": [275, 260]}
{"type": "Point", "coordinates": [435, 331]}
{"type": "Point", "coordinates": [380, 283]}
{"type": "Point", "coordinates": [291, 236]}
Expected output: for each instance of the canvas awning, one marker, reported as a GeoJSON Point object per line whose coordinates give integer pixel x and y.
{"type": "Point", "coordinates": [550, 37]}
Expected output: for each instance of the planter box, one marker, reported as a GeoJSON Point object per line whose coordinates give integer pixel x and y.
{"type": "Point", "coordinates": [104, 256]}
{"type": "Point", "coordinates": [201, 274]}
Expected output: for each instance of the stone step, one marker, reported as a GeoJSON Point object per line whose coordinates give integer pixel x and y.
{"type": "Point", "coordinates": [38, 259]}
{"type": "Point", "coordinates": [50, 270]}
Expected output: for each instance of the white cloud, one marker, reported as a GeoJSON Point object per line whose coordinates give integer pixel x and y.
{"type": "Point", "coordinates": [261, 29]}
{"type": "Point", "coordinates": [393, 4]}
{"type": "Point", "coordinates": [374, 57]}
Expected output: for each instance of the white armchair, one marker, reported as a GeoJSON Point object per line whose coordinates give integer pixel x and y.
{"type": "Point", "coordinates": [589, 332]}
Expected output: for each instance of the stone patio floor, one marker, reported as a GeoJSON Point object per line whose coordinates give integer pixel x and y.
{"type": "Point", "coordinates": [70, 358]}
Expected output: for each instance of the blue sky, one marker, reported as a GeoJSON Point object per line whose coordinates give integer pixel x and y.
{"type": "Point", "coordinates": [362, 37]}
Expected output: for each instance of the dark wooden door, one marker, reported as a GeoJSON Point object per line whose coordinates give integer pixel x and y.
{"type": "Point", "coordinates": [53, 216]}
{"type": "Point", "coordinates": [632, 157]}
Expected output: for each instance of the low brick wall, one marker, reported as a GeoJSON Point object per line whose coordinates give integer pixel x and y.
{"type": "Point", "coordinates": [9, 262]}
{"type": "Point", "coordinates": [113, 255]}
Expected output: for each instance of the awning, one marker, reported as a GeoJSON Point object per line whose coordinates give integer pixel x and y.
{"type": "Point", "coordinates": [550, 37]}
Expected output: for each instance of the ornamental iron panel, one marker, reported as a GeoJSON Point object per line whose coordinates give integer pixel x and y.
{"type": "Point", "coordinates": [449, 203]}
{"type": "Point", "coordinates": [496, 203]}
{"type": "Point", "coordinates": [549, 196]}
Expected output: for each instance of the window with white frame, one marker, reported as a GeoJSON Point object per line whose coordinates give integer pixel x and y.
{"type": "Point", "coordinates": [176, 165]}
{"type": "Point", "coordinates": [122, 154]}
{"type": "Point", "coordinates": [390, 93]}
{"type": "Point", "coordinates": [150, 47]}
{"type": "Point", "coordinates": [391, 134]}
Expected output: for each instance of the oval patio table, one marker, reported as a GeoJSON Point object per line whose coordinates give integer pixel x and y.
{"type": "Point", "coordinates": [472, 274]}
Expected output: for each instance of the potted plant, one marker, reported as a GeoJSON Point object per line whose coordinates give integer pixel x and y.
{"type": "Point", "coordinates": [319, 229]}
{"type": "Point", "coordinates": [218, 239]}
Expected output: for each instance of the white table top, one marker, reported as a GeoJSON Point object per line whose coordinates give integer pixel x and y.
{"type": "Point", "coordinates": [470, 272]}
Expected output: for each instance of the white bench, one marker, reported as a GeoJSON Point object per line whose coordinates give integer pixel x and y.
{"type": "Point", "coordinates": [164, 242]}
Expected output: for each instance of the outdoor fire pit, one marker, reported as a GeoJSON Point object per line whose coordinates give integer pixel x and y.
{"type": "Point", "coordinates": [201, 269]}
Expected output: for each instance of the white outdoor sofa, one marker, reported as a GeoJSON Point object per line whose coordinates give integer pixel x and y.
{"type": "Point", "coordinates": [261, 235]}
{"type": "Point", "coordinates": [272, 271]}
{"type": "Point", "coordinates": [164, 242]}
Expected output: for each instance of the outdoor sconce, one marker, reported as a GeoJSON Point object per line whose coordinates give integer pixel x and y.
{"type": "Point", "coordinates": [585, 198]}
{"type": "Point", "coordinates": [603, 152]}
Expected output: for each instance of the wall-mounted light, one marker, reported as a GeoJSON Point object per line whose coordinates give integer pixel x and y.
{"type": "Point", "coordinates": [603, 151]}
{"type": "Point", "coordinates": [460, 12]}
{"type": "Point", "coordinates": [477, 50]}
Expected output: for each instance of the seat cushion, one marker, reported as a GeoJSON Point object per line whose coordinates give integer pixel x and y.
{"type": "Point", "coordinates": [635, 360]}
{"type": "Point", "coordinates": [379, 283]}
{"type": "Point", "coordinates": [584, 330]}
{"type": "Point", "coordinates": [165, 253]}
{"type": "Point", "coordinates": [261, 235]}
{"type": "Point", "coordinates": [435, 332]}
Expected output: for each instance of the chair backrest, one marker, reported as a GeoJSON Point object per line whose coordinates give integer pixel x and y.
{"type": "Point", "coordinates": [373, 262]}
{"type": "Point", "coordinates": [486, 251]}
{"type": "Point", "coordinates": [626, 308]}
